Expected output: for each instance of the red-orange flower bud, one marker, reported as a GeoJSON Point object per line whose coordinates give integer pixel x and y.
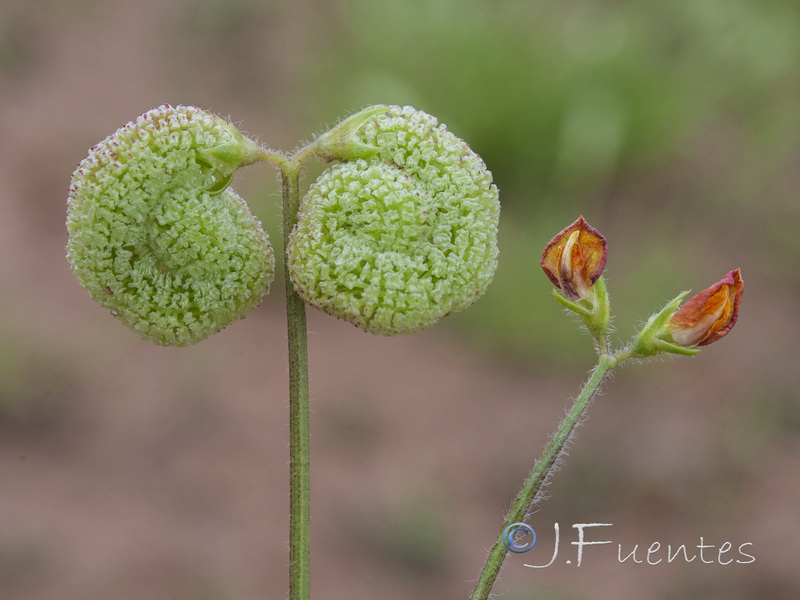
{"type": "Point", "coordinates": [709, 315]}
{"type": "Point", "coordinates": [574, 259]}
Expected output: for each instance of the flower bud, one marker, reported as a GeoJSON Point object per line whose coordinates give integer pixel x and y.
{"type": "Point", "coordinates": [708, 316]}
{"type": "Point", "coordinates": [394, 242]}
{"type": "Point", "coordinates": [574, 259]}
{"type": "Point", "coordinates": [704, 319]}
{"type": "Point", "coordinates": [156, 235]}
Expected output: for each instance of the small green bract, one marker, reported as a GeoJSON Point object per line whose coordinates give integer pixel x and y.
{"type": "Point", "coordinates": [394, 243]}
{"type": "Point", "coordinates": [156, 236]}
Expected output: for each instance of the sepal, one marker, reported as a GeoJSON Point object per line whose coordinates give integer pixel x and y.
{"type": "Point", "coordinates": [341, 142]}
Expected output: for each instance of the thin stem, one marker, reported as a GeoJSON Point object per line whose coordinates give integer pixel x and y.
{"type": "Point", "coordinates": [276, 158]}
{"type": "Point", "coordinates": [299, 452]}
{"type": "Point", "coordinates": [529, 492]}
{"type": "Point", "coordinates": [299, 445]}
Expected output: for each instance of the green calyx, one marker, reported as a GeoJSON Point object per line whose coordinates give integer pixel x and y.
{"type": "Point", "coordinates": [595, 313]}
{"type": "Point", "coordinates": [650, 341]}
{"type": "Point", "coordinates": [396, 241]}
{"type": "Point", "coordinates": [343, 143]}
{"type": "Point", "coordinates": [157, 236]}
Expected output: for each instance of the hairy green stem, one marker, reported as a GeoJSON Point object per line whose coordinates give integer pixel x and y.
{"type": "Point", "coordinates": [299, 452]}
{"type": "Point", "coordinates": [299, 444]}
{"type": "Point", "coordinates": [529, 492]}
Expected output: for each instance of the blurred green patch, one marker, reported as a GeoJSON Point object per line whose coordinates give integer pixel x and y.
{"type": "Point", "coordinates": [20, 45]}
{"type": "Point", "coordinates": [411, 535]}
{"type": "Point", "coordinates": [219, 21]}
{"type": "Point", "coordinates": [23, 563]}
{"type": "Point", "coordinates": [773, 413]}
{"type": "Point", "coordinates": [553, 97]}
{"type": "Point", "coordinates": [205, 586]}
{"type": "Point", "coordinates": [37, 392]}
{"type": "Point", "coordinates": [351, 425]}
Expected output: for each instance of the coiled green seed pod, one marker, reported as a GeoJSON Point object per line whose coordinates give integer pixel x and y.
{"type": "Point", "coordinates": [156, 236]}
{"type": "Point", "coordinates": [395, 242]}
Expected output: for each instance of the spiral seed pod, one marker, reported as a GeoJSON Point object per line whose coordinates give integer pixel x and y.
{"type": "Point", "coordinates": [395, 242]}
{"type": "Point", "coordinates": [156, 236]}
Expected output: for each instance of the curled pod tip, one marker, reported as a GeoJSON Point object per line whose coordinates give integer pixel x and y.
{"type": "Point", "coordinates": [156, 235]}
{"type": "Point", "coordinates": [397, 241]}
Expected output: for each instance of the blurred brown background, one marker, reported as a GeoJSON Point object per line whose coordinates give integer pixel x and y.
{"type": "Point", "coordinates": [131, 471]}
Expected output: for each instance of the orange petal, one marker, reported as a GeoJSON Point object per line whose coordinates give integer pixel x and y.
{"type": "Point", "coordinates": [709, 315]}
{"type": "Point", "coordinates": [575, 258]}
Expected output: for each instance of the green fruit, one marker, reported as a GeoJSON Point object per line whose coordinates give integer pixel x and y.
{"type": "Point", "coordinates": [395, 242]}
{"type": "Point", "coordinates": [156, 236]}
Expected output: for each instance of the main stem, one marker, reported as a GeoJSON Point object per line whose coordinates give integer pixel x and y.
{"type": "Point", "coordinates": [299, 495]}
{"type": "Point", "coordinates": [533, 484]}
